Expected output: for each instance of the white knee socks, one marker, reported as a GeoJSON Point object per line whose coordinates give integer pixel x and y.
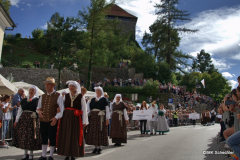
{"type": "Point", "coordinates": [52, 148]}
{"type": "Point", "coordinates": [44, 150]}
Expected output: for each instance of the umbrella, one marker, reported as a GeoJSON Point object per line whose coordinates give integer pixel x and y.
{"type": "Point", "coordinates": [26, 86]}
{"type": "Point", "coordinates": [7, 87]}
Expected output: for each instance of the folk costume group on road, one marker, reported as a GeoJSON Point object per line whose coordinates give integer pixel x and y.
{"type": "Point", "coordinates": [68, 121]}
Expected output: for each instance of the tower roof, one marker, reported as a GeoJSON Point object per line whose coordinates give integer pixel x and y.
{"type": "Point", "coordinates": [118, 11]}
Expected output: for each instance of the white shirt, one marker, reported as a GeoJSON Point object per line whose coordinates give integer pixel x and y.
{"type": "Point", "coordinates": [213, 111]}
{"type": "Point", "coordinates": [59, 102]}
{"type": "Point", "coordinates": [124, 111]}
{"type": "Point", "coordinates": [154, 112]}
{"type": "Point", "coordinates": [106, 108]}
{"type": "Point", "coordinates": [8, 114]}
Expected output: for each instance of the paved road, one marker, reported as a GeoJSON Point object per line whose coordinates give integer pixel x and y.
{"type": "Point", "coordinates": [181, 143]}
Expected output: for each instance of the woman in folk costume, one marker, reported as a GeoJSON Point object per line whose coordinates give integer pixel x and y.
{"type": "Point", "coordinates": [70, 140]}
{"type": "Point", "coordinates": [162, 125]}
{"type": "Point", "coordinates": [118, 129]}
{"type": "Point", "coordinates": [97, 133]}
{"type": "Point", "coordinates": [26, 133]}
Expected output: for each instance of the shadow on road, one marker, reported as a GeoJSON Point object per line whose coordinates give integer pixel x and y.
{"type": "Point", "coordinates": [213, 146]}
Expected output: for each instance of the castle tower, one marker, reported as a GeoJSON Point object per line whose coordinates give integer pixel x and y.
{"type": "Point", "coordinates": [128, 21]}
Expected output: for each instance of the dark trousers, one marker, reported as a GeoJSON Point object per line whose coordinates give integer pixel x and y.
{"type": "Point", "coordinates": [143, 122]}
{"type": "Point", "coordinates": [175, 121]}
{"type": "Point", "coordinates": [194, 122]}
{"type": "Point", "coordinates": [223, 128]}
{"type": "Point", "coordinates": [48, 132]}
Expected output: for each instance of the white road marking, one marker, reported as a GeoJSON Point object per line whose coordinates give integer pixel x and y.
{"type": "Point", "coordinates": [104, 153]}
{"type": "Point", "coordinates": [146, 139]}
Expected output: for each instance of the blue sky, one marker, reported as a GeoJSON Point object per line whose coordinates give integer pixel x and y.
{"type": "Point", "coordinates": [218, 22]}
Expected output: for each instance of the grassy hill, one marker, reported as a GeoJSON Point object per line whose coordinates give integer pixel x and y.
{"type": "Point", "coordinates": [20, 57]}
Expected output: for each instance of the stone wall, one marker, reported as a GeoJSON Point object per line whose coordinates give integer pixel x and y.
{"type": "Point", "coordinates": [128, 26]}
{"type": "Point", "coordinates": [37, 76]}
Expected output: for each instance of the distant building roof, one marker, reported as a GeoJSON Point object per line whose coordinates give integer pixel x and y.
{"type": "Point", "coordinates": [7, 16]}
{"type": "Point", "coordinates": [118, 11]}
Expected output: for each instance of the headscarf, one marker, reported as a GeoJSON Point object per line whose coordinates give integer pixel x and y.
{"type": "Point", "coordinates": [99, 88]}
{"type": "Point", "coordinates": [76, 84]}
{"type": "Point", "coordinates": [115, 98]}
{"type": "Point", "coordinates": [64, 91]}
{"type": "Point", "coordinates": [36, 92]}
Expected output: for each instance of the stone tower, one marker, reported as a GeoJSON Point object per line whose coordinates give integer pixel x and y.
{"type": "Point", "coordinates": [128, 21]}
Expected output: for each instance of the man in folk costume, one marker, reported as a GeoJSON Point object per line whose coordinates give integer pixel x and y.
{"type": "Point", "coordinates": [213, 116]}
{"type": "Point", "coordinates": [47, 111]}
{"type": "Point", "coordinates": [71, 137]}
{"type": "Point", "coordinates": [153, 121]}
{"type": "Point", "coordinates": [203, 122]}
{"type": "Point", "coordinates": [208, 117]}
{"type": "Point", "coordinates": [118, 130]}
{"type": "Point", "coordinates": [97, 133]}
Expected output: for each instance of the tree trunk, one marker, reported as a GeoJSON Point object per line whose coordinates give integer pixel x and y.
{"type": "Point", "coordinates": [89, 73]}
{"type": "Point", "coordinates": [59, 78]}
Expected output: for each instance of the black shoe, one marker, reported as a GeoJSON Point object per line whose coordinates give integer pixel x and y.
{"type": "Point", "coordinates": [151, 133]}
{"type": "Point", "coordinates": [162, 133]}
{"type": "Point", "coordinates": [99, 151]}
{"type": "Point", "coordinates": [26, 158]}
{"type": "Point", "coordinates": [67, 158]}
{"type": "Point", "coordinates": [155, 133]}
{"type": "Point", "coordinates": [72, 158]}
{"type": "Point", "coordinates": [50, 158]}
{"type": "Point", "coordinates": [95, 150]}
{"type": "Point", "coordinates": [159, 133]}
{"type": "Point", "coordinates": [42, 158]}
{"type": "Point", "coordinates": [117, 144]}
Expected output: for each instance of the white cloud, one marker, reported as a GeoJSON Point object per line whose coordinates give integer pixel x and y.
{"type": "Point", "coordinates": [227, 75]}
{"type": "Point", "coordinates": [233, 83]}
{"type": "Point", "coordinates": [234, 75]}
{"type": "Point", "coordinates": [221, 64]}
{"type": "Point", "coordinates": [22, 9]}
{"type": "Point", "coordinates": [40, 5]}
{"type": "Point", "coordinates": [14, 2]}
{"type": "Point", "coordinates": [28, 4]}
{"type": "Point", "coordinates": [236, 57]}
{"type": "Point", "coordinates": [44, 26]}
{"type": "Point", "coordinates": [218, 32]}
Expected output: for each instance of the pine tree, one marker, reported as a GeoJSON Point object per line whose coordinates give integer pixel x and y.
{"type": "Point", "coordinates": [98, 30]}
{"type": "Point", "coordinates": [164, 39]}
{"type": "Point", "coordinates": [203, 63]}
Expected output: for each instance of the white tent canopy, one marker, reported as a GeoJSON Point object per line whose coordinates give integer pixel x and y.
{"type": "Point", "coordinates": [88, 95]}
{"type": "Point", "coordinates": [26, 86]}
{"type": "Point", "coordinates": [7, 87]}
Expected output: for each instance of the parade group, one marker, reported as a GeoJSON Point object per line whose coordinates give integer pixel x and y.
{"type": "Point", "coordinates": [68, 121]}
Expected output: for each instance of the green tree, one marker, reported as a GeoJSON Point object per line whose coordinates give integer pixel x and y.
{"type": "Point", "coordinates": [98, 29]}
{"type": "Point", "coordinates": [6, 4]}
{"type": "Point", "coordinates": [163, 39]}
{"type": "Point", "coordinates": [215, 83]}
{"type": "Point", "coordinates": [63, 32]}
{"type": "Point", "coordinates": [37, 33]}
{"type": "Point", "coordinates": [203, 63]}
